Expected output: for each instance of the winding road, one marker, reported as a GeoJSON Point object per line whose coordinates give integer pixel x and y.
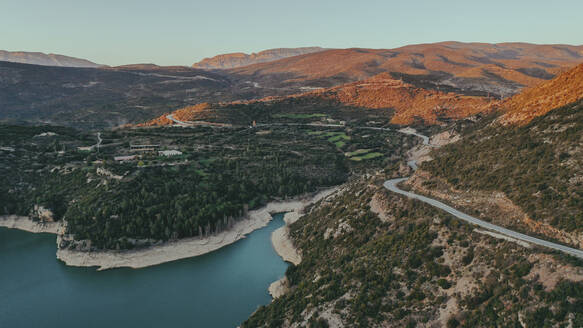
{"type": "Point", "coordinates": [391, 185]}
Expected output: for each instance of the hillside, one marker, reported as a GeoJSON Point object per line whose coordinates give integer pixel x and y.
{"type": "Point", "coordinates": [239, 59]}
{"type": "Point", "coordinates": [371, 258]}
{"type": "Point", "coordinates": [560, 91]}
{"type": "Point", "coordinates": [104, 97]}
{"type": "Point", "coordinates": [527, 177]}
{"type": "Point", "coordinates": [409, 103]}
{"type": "Point", "coordinates": [500, 69]}
{"type": "Point", "coordinates": [39, 58]}
{"type": "Point", "coordinates": [381, 98]}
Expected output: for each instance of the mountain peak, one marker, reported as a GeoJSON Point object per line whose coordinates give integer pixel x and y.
{"type": "Point", "coordinates": [239, 59]}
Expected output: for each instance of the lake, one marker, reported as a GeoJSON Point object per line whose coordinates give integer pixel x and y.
{"type": "Point", "coordinates": [219, 289]}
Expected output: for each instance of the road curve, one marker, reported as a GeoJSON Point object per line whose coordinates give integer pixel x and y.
{"type": "Point", "coordinates": [391, 185]}
{"type": "Point", "coordinates": [171, 118]}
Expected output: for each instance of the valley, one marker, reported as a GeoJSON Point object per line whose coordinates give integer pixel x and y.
{"type": "Point", "coordinates": [431, 185]}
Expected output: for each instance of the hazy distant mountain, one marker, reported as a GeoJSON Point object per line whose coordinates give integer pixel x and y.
{"type": "Point", "coordinates": [239, 59]}
{"type": "Point", "coordinates": [39, 58]}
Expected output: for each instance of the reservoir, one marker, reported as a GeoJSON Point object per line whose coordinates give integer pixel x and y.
{"type": "Point", "coordinates": [218, 289]}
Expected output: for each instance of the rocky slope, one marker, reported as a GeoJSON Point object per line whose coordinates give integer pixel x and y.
{"type": "Point", "coordinates": [239, 59]}
{"type": "Point", "coordinates": [527, 177]}
{"type": "Point", "coordinates": [39, 58]}
{"type": "Point", "coordinates": [406, 264]}
{"type": "Point", "coordinates": [501, 69]}
{"type": "Point", "coordinates": [539, 100]}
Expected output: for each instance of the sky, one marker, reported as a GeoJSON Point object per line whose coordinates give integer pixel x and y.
{"type": "Point", "coordinates": [181, 32]}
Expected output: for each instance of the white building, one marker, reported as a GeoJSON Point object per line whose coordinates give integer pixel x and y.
{"type": "Point", "coordinates": [169, 153]}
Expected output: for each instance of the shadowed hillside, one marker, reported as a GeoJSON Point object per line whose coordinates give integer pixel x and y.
{"type": "Point", "coordinates": [382, 96]}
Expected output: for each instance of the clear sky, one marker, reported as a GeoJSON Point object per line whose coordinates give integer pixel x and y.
{"type": "Point", "coordinates": [181, 32]}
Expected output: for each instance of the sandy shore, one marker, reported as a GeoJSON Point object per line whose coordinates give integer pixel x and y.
{"type": "Point", "coordinates": [26, 224]}
{"type": "Point", "coordinates": [282, 243]}
{"type": "Point", "coordinates": [278, 288]}
{"type": "Point", "coordinates": [284, 246]}
{"type": "Point", "coordinates": [184, 248]}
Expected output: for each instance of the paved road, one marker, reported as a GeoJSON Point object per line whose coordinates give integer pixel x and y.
{"type": "Point", "coordinates": [392, 186]}
{"type": "Point", "coordinates": [171, 118]}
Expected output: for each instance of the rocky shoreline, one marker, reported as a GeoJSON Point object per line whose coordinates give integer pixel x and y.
{"type": "Point", "coordinates": [26, 224]}
{"type": "Point", "coordinates": [284, 247]}
{"type": "Point", "coordinates": [167, 252]}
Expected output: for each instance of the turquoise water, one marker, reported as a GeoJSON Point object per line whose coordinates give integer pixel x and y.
{"type": "Point", "coordinates": [219, 289]}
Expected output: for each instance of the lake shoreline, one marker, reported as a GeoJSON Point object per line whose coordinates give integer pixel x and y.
{"type": "Point", "coordinates": [285, 248]}
{"type": "Point", "coordinates": [24, 223]}
{"type": "Point", "coordinates": [167, 252]}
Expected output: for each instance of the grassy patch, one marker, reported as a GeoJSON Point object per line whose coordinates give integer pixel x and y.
{"type": "Point", "coordinates": [367, 156]}
{"type": "Point", "coordinates": [339, 136]}
{"type": "Point", "coordinates": [357, 152]}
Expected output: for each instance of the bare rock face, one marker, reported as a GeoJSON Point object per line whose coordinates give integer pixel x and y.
{"type": "Point", "coordinates": [42, 213]}
{"type": "Point", "coordinates": [240, 59]}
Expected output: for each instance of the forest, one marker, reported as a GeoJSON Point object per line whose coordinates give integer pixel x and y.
{"type": "Point", "coordinates": [221, 174]}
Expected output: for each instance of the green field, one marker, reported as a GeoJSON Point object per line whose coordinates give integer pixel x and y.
{"type": "Point", "coordinates": [337, 138]}
{"type": "Point", "coordinates": [357, 152]}
{"type": "Point", "coordinates": [367, 156]}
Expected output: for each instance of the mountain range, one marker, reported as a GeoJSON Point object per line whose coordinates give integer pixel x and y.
{"type": "Point", "coordinates": [428, 82]}
{"type": "Point", "coordinates": [39, 58]}
{"type": "Point", "coordinates": [500, 69]}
